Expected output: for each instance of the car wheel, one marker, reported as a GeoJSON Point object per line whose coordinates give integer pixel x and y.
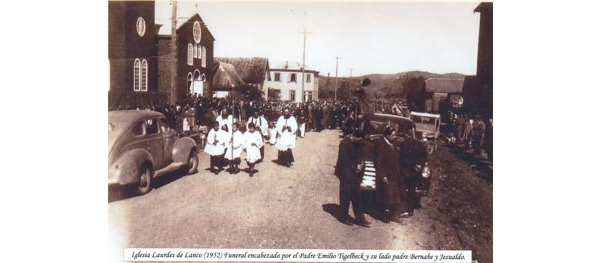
{"type": "Point", "coordinates": [193, 162]}
{"type": "Point", "coordinates": [145, 183]}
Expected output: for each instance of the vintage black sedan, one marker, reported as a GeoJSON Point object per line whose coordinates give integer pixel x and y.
{"type": "Point", "coordinates": [141, 147]}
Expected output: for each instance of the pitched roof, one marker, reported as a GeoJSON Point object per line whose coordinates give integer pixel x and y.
{"type": "Point", "coordinates": [226, 76]}
{"type": "Point", "coordinates": [165, 29]}
{"type": "Point", "coordinates": [251, 70]}
{"type": "Point", "coordinates": [444, 85]}
{"type": "Point", "coordinates": [289, 65]}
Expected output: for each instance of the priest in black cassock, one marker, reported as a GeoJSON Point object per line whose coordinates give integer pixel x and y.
{"type": "Point", "coordinates": [389, 180]}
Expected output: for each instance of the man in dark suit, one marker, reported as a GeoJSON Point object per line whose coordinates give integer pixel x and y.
{"type": "Point", "coordinates": [413, 156]}
{"type": "Point", "coordinates": [349, 169]}
{"type": "Point", "coordinates": [388, 177]}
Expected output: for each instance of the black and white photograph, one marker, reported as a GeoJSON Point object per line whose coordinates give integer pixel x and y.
{"type": "Point", "coordinates": [344, 125]}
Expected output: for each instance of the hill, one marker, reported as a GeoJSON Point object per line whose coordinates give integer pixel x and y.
{"type": "Point", "coordinates": [383, 86]}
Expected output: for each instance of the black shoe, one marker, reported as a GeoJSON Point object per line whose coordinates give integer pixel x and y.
{"type": "Point", "coordinates": [348, 221]}
{"type": "Point", "coordinates": [362, 222]}
{"type": "Point", "coordinates": [386, 217]}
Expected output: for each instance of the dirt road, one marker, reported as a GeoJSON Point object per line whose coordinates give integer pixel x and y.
{"type": "Point", "coordinates": [290, 208]}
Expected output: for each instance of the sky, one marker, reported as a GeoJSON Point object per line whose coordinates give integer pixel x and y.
{"type": "Point", "coordinates": [369, 37]}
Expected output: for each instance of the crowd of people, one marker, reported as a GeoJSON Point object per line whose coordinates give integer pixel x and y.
{"type": "Point", "coordinates": [316, 115]}
{"type": "Point", "coordinates": [235, 126]}
{"type": "Point", "coordinates": [470, 132]}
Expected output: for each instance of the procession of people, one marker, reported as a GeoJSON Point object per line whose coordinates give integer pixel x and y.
{"type": "Point", "coordinates": [239, 131]}
{"type": "Point", "coordinates": [226, 142]}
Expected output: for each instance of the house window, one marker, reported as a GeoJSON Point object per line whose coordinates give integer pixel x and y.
{"type": "Point", "coordinates": [190, 54]}
{"type": "Point", "coordinates": [308, 78]}
{"type": "Point", "coordinates": [293, 77]}
{"type": "Point", "coordinates": [189, 82]}
{"type": "Point", "coordinates": [203, 56]}
{"type": "Point", "coordinates": [293, 95]}
{"type": "Point", "coordinates": [144, 76]}
{"type": "Point", "coordinates": [136, 74]}
{"type": "Point", "coordinates": [195, 51]}
{"type": "Point", "coordinates": [309, 95]}
{"type": "Point", "coordinates": [277, 77]}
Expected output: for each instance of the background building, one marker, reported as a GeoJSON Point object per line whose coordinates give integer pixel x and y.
{"type": "Point", "coordinates": [286, 83]}
{"type": "Point", "coordinates": [441, 88]}
{"type": "Point", "coordinates": [478, 90]}
{"type": "Point", "coordinates": [226, 80]}
{"type": "Point", "coordinates": [132, 54]}
{"type": "Point", "coordinates": [253, 72]}
{"type": "Point", "coordinates": [195, 64]}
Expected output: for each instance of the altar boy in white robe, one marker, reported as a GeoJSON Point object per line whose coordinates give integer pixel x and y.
{"type": "Point", "coordinates": [286, 128]}
{"type": "Point", "coordinates": [272, 133]}
{"type": "Point", "coordinates": [234, 149]}
{"type": "Point", "coordinates": [215, 147]}
{"type": "Point", "coordinates": [253, 141]}
{"type": "Point", "coordinates": [261, 126]}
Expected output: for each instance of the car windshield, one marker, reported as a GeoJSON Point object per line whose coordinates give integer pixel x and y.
{"type": "Point", "coordinates": [425, 123]}
{"type": "Point", "coordinates": [423, 119]}
{"type": "Point", "coordinates": [378, 126]}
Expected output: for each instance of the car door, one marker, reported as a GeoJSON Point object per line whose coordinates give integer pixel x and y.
{"type": "Point", "coordinates": [154, 143]}
{"type": "Point", "coordinates": [168, 137]}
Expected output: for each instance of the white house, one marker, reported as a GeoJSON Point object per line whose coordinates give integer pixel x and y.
{"type": "Point", "coordinates": [286, 83]}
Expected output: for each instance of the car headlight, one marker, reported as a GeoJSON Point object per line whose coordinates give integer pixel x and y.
{"type": "Point", "coordinates": [426, 172]}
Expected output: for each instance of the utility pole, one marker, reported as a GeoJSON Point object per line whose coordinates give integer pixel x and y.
{"type": "Point", "coordinates": [303, 62]}
{"type": "Point", "coordinates": [173, 97]}
{"type": "Point", "coordinates": [336, 77]}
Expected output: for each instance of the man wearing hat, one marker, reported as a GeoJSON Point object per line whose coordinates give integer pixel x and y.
{"type": "Point", "coordinates": [364, 107]}
{"type": "Point", "coordinates": [349, 169]}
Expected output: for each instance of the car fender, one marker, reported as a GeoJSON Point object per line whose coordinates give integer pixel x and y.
{"type": "Point", "coordinates": [182, 148]}
{"type": "Point", "coordinates": [126, 168]}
